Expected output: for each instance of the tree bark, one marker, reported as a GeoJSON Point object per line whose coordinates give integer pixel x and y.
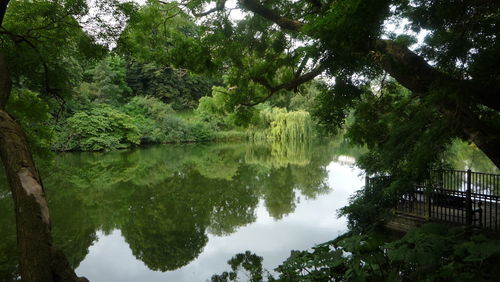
{"type": "Point", "coordinates": [461, 99]}
{"type": "Point", "coordinates": [39, 260]}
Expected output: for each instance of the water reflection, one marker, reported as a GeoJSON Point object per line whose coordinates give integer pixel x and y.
{"type": "Point", "coordinates": [167, 201]}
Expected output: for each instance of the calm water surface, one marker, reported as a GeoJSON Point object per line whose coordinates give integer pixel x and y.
{"type": "Point", "coordinates": [179, 212]}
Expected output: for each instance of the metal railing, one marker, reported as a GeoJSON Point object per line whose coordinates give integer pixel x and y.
{"type": "Point", "coordinates": [461, 197]}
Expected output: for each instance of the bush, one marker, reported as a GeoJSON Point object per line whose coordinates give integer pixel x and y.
{"type": "Point", "coordinates": [102, 128]}
{"type": "Point", "coordinates": [212, 109]}
{"type": "Point", "coordinates": [149, 114]}
{"type": "Point", "coordinates": [159, 123]}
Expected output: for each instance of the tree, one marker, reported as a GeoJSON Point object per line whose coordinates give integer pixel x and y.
{"type": "Point", "coordinates": [40, 46]}
{"type": "Point", "coordinates": [179, 88]}
{"type": "Point", "coordinates": [451, 71]}
{"type": "Point", "coordinates": [163, 47]}
{"type": "Point", "coordinates": [162, 33]}
{"type": "Point", "coordinates": [108, 83]}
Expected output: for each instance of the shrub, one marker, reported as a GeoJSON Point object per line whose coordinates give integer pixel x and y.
{"type": "Point", "coordinates": [102, 128]}
{"type": "Point", "coordinates": [149, 114]}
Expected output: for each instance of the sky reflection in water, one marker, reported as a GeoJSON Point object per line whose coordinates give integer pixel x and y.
{"type": "Point", "coordinates": [178, 213]}
{"type": "Point", "coordinates": [313, 221]}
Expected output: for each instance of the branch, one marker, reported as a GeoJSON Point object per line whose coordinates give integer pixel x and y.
{"type": "Point", "coordinates": [414, 73]}
{"type": "Point", "coordinates": [5, 83]}
{"type": "Point", "coordinates": [283, 22]}
{"type": "Point", "coordinates": [56, 23]}
{"type": "Point", "coordinates": [213, 10]}
{"type": "Point", "coordinates": [219, 6]}
{"type": "Point", "coordinates": [316, 4]}
{"type": "Point", "coordinates": [3, 9]}
{"type": "Point", "coordinates": [408, 68]}
{"type": "Point", "coordinates": [49, 90]}
{"type": "Point", "coordinates": [302, 66]}
{"type": "Point", "coordinates": [285, 86]}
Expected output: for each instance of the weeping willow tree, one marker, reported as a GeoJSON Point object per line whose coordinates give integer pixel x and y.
{"type": "Point", "coordinates": [291, 126]}
{"type": "Point", "coordinates": [288, 134]}
{"type": "Point", "coordinates": [279, 125]}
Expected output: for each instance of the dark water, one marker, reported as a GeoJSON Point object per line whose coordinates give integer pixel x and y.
{"type": "Point", "coordinates": [179, 212]}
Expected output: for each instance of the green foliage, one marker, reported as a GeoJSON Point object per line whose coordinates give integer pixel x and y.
{"type": "Point", "coordinates": [291, 126]}
{"type": "Point", "coordinates": [180, 88]}
{"type": "Point", "coordinates": [279, 125]}
{"type": "Point", "coordinates": [106, 84]}
{"type": "Point", "coordinates": [369, 206]}
{"type": "Point", "coordinates": [33, 115]}
{"type": "Point", "coordinates": [213, 109]}
{"type": "Point", "coordinates": [306, 98]}
{"type": "Point", "coordinates": [162, 33]}
{"type": "Point", "coordinates": [45, 47]}
{"type": "Point", "coordinates": [176, 129]}
{"type": "Point", "coordinates": [109, 80]}
{"type": "Point", "coordinates": [231, 135]}
{"type": "Point", "coordinates": [8, 250]}
{"type": "Point", "coordinates": [406, 132]}
{"type": "Point", "coordinates": [463, 156]}
{"type": "Point", "coordinates": [332, 106]}
{"type": "Point", "coordinates": [103, 128]}
{"type": "Point", "coordinates": [429, 253]}
{"type": "Point", "coordinates": [405, 135]}
{"type": "Point", "coordinates": [250, 262]}
{"type": "Point", "coordinates": [150, 115]}
{"type": "Point", "coordinates": [248, 51]}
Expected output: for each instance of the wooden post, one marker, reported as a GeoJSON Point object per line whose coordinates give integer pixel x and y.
{"type": "Point", "coordinates": [468, 200]}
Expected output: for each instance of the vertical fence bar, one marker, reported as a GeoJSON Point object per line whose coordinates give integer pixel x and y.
{"type": "Point", "coordinates": [495, 193]}
{"type": "Point", "coordinates": [468, 201]}
{"type": "Point", "coordinates": [428, 198]}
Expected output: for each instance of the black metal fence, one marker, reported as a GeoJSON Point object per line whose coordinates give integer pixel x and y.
{"type": "Point", "coordinates": [461, 197]}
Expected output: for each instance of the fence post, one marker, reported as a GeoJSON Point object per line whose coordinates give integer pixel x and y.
{"type": "Point", "coordinates": [428, 197]}
{"type": "Point", "coordinates": [468, 200]}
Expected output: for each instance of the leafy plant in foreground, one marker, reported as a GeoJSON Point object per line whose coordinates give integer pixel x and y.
{"type": "Point", "coordinates": [430, 253]}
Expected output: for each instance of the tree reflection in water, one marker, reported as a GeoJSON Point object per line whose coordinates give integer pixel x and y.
{"type": "Point", "coordinates": [165, 199]}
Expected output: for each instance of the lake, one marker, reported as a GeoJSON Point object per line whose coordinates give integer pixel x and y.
{"type": "Point", "coordinates": [179, 212]}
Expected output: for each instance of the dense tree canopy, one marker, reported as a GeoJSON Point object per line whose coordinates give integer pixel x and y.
{"type": "Point", "coordinates": [450, 75]}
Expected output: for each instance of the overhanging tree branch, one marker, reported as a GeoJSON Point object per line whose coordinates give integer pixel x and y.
{"type": "Point", "coordinates": [414, 73]}
{"type": "Point", "coordinates": [408, 68]}
{"type": "Point", "coordinates": [219, 6]}
{"type": "Point", "coordinates": [283, 22]}
{"type": "Point", "coordinates": [285, 86]}
{"type": "Point", "coordinates": [3, 9]}
{"type": "Point", "coordinates": [302, 66]}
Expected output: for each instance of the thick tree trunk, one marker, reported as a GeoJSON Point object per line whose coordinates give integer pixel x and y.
{"type": "Point", "coordinates": [38, 258]}
{"type": "Point", "coordinates": [459, 105]}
